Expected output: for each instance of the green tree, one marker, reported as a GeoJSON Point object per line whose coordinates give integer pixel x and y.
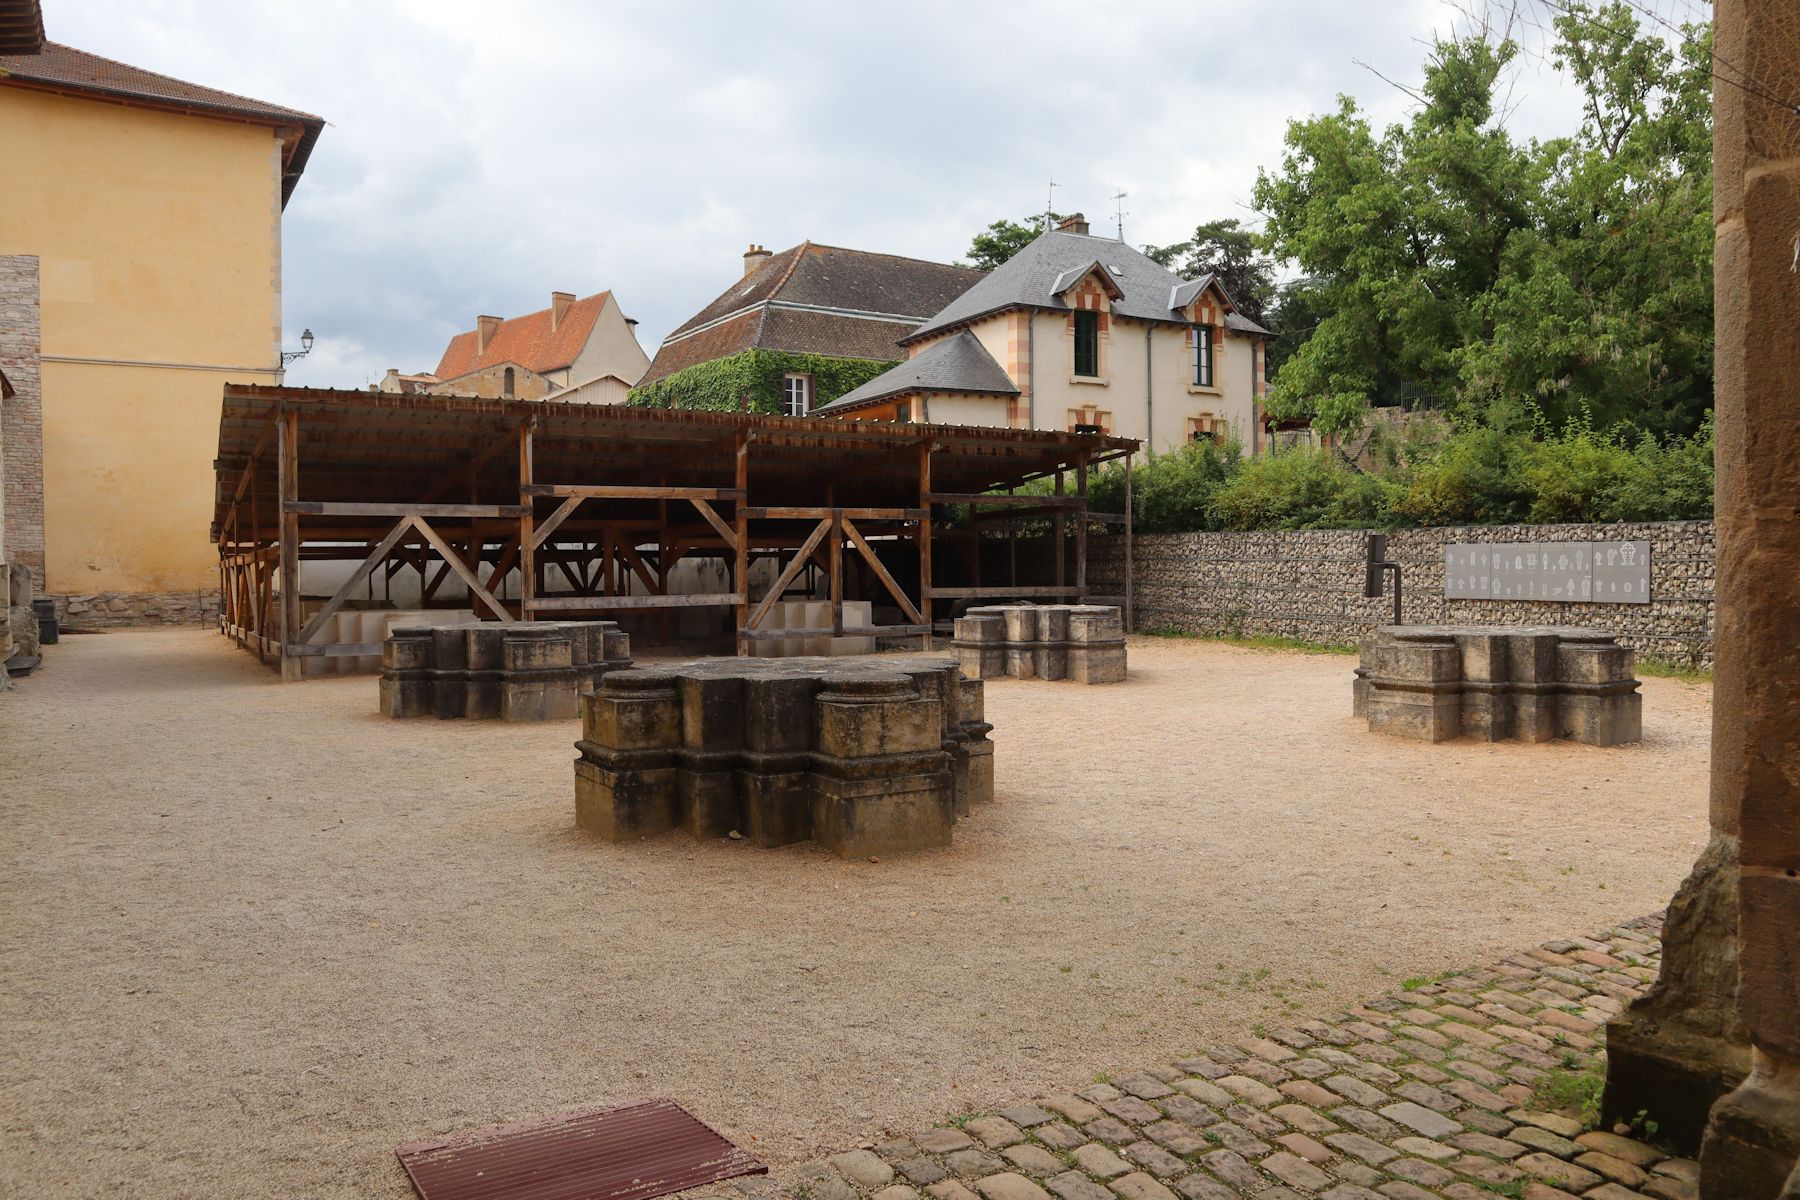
{"type": "Point", "coordinates": [1226, 249]}
{"type": "Point", "coordinates": [1003, 239]}
{"type": "Point", "coordinates": [1449, 264]}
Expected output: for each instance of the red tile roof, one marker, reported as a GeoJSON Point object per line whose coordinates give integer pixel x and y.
{"type": "Point", "coordinates": [66, 69]}
{"type": "Point", "coordinates": [527, 340]}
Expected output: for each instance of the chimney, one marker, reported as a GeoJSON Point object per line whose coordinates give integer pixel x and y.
{"type": "Point", "coordinates": [485, 328]}
{"type": "Point", "coordinates": [559, 304]}
{"type": "Point", "coordinates": [754, 257]}
{"type": "Point", "coordinates": [1073, 223]}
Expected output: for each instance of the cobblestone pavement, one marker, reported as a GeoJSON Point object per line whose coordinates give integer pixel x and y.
{"type": "Point", "coordinates": [1434, 1092]}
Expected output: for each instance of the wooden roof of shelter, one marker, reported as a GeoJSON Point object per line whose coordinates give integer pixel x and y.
{"type": "Point", "coordinates": [359, 445]}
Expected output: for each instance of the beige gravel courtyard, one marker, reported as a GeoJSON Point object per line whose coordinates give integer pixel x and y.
{"type": "Point", "coordinates": [253, 935]}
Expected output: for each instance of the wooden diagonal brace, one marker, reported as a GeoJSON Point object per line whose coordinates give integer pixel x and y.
{"type": "Point", "coordinates": [787, 576]}
{"type": "Point", "coordinates": [462, 568]}
{"type": "Point", "coordinates": [881, 572]}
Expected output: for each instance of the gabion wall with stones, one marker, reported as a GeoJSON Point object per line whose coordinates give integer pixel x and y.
{"type": "Point", "coordinates": [1308, 584]}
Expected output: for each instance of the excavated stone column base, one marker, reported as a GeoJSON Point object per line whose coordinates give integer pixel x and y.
{"type": "Point", "coordinates": [1671, 1055]}
{"type": "Point", "coordinates": [1752, 1146]}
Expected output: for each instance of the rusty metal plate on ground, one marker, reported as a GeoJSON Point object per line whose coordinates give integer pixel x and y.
{"type": "Point", "coordinates": [626, 1152]}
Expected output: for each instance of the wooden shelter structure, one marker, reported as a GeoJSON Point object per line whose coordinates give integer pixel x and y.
{"type": "Point", "coordinates": [572, 502]}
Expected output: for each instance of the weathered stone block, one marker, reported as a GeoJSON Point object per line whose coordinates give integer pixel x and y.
{"type": "Point", "coordinates": [877, 714]}
{"type": "Point", "coordinates": [1431, 683]}
{"type": "Point", "coordinates": [867, 758]}
{"type": "Point", "coordinates": [635, 710]}
{"type": "Point", "coordinates": [450, 672]}
{"type": "Point", "coordinates": [882, 810]}
{"type": "Point", "coordinates": [633, 801]}
{"type": "Point", "coordinates": [1082, 642]}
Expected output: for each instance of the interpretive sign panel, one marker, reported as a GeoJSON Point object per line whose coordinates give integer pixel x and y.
{"type": "Point", "coordinates": [1584, 572]}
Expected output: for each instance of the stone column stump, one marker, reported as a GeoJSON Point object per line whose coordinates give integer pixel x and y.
{"type": "Point", "coordinates": [406, 674]}
{"type": "Point", "coordinates": [881, 780]}
{"type": "Point", "coordinates": [626, 778]}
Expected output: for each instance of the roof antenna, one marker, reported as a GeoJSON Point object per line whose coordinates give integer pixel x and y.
{"type": "Point", "coordinates": [1119, 211]}
{"type": "Point", "coordinates": [1050, 204]}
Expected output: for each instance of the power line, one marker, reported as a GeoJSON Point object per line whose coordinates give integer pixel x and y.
{"type": "Point", "coordinates": [1748, 83]}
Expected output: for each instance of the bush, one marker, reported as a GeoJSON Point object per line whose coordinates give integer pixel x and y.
{"type": "Point", "coordinates": [1300, 489]}
{"type": "Point", "coordinates": [1505, 472]}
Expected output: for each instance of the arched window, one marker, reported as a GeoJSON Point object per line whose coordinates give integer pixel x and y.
{"type": "Point", "coordinates": [506, 386]}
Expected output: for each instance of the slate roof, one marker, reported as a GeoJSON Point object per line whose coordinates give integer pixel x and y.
{"type": "Point", "coordinates": [64, 68]}
{"type": "Point", "coordinates": [528, 341]}
{"type": "Point", "coordinates": [1035, 275]}
{"type": "Point", "coordinates": [800, 300]}
{"type": "Point", "coordinates": [954, 364]}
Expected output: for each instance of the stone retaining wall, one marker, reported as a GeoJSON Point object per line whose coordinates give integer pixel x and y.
{"type": "Point", "coordinates": [114, 610]}
{"type": "Point", "coordinates": [1308, 584]}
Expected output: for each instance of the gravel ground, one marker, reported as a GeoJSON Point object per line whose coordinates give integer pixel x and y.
{"type": "Point", "coordinates": [253, 936]}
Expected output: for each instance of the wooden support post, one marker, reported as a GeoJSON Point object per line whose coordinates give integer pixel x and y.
{"type": "Point", "coordinates": [1081, 526]}
{"type": "Point", "coordinates": [741, 576]}
{"type": "Point", "coordinates": [1012, 552]}
{"type": "Point", "coordinates": [925, 540]}
{"type": "Point", "coordinates": [528, 574]}
{"type": "Point", "coordinates": [288, 488]}
{"type": "Point", "coordinates": [837, 572]}
{"type": "Point", "coordinates": [1130, 549]}
{"type": "Point", "coordinates": [1056, 534]}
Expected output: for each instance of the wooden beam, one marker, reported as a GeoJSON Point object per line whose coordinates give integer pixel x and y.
{"type": "Point", "coordinates": [608, 603]}
{"type": "Point", "coordinates": [461, 568]}
{"type": "Point", "coordinates": [360, 508]}
{"type": "Point", "coordinates": [821, 514]}
{"type": "Point", "coordinates": [741, 575]}
{"type": "Point", "coordinates": [363, 570]}
{"type": "Point", "coordinates": [1000, 593]}
{"type": "Point", "coordinates": [1081, 526]}
{"type": "Point", "coordinates": [717, 522]}
{"type": "Point", "coordinates": [332, 649]}
{"type": "Point", "coordinates": [1000, 500]}
{"type": "Point", "coordinates": [925, 539]}
{"type": "Point", "coordinates": [288, 488]}
{"type": "Point", "coordinates": [881, 572]}
{"type": "Point", "coordinates": [1130, 550]}
{"type": "Point", "coordinates": [787, 575]}
{"type": "Point", "coordinates": [835, 577]}
{"type": "Point", "coordinates": [629, 553]}
{"type": "Point", "coordinates": [554, 519]}
{"type": "Point", "coordinates": [528, 578]}
{"type": "Point", "coordinates": [629, 492]}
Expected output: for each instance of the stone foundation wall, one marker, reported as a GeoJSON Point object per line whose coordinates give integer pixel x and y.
{"type": "Point", "coordinates": [113, 610]}
{"type": "Point", "coordinates": [1308, 584]}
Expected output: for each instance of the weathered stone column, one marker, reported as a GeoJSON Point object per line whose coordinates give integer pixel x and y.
{"type": "Point", "coordinates": [1729, 997]}
{"type": "Point", "coordinates": [1753, 1139]}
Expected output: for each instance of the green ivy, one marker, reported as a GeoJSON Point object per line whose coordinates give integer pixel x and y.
{"type": "Point", "coordinates": [722, 384]}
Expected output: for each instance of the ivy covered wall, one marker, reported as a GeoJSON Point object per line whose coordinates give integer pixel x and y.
{"type": "Point", "coordinates": [722, 384]}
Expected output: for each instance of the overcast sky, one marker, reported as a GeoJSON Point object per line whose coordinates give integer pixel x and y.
{"type": "Point", "coordinates": [479, 156]}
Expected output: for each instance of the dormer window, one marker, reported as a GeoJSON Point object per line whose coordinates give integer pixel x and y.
{"type": "Point", "coordinates": [1087, 342]}
{"type": "Point", "coordinates": [796, 394]}
{"type": "Point", "coordinates": [1203, 355]}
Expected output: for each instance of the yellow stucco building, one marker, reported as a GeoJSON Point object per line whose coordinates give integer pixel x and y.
{"type": "Point", "coordinates": [154, 212]}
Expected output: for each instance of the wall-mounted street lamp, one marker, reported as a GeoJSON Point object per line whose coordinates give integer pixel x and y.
{"type": "Point", "coordinates": [306, 344]}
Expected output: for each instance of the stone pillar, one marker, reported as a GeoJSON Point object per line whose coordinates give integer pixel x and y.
{"type": "Point", "coordinates": [625, 779]}
{"type": "Point", "coordinates": [1752, 1141]}
{"type": "Point", "coordinates": [1728, 1000]}
{"type": "Point", "coordinates": [407, 658]}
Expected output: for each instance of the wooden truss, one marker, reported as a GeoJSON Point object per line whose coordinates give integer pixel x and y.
{"type": "Point", "coordinates": [598, 506]}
